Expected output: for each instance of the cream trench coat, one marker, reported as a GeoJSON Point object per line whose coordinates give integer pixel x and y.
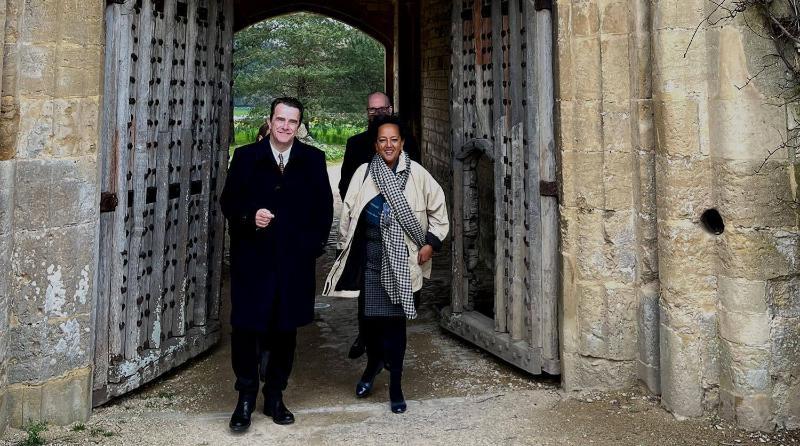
{"type": "Point", "coordinates": [425, 198]}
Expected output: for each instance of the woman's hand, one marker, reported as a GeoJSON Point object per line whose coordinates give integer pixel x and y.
{"type": "Point", "coordinates": [425, 254]}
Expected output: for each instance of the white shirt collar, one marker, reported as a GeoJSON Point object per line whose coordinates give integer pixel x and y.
{"type": "Point", "coordinates": [286, 154]}
{"type": "Point", "coordinates": [401, 161]}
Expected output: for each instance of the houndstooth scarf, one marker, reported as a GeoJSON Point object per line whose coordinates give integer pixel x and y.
{"type": "Point", "coordinates": [395, 273]}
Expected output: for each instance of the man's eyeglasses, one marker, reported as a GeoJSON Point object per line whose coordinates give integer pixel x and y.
{"type": "Point", "coordinates": [379, 110]}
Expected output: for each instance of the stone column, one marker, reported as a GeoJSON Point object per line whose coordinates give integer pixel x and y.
{"type": "Point", "coordinates": [686, 260]}
{"type": "Point", "coordinates": [599, 108]}
{"type": "Point", "coordinates": [758, 249]}
{"type": "Point", "coordinates": [52, 63]}
{"type": "Point", "coordinates": [6, 206]}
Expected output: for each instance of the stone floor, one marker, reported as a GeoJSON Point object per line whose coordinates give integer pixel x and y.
{"type": "Point", "coordinates": [457, 394]}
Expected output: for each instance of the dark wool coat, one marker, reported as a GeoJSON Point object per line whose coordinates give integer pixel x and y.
{"type": "Point", "coordinates": [273, 269]}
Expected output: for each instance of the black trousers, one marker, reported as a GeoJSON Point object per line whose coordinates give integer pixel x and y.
{"type": "Point", "coordinates": [246, 350]}
{"type": "Point", "coordinates": [386, 341]}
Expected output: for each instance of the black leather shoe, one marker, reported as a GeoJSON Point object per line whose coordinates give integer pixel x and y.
{"type": "Point", "coordinates": [278, 411]}
{"type": "Point", "coordinates": [240, 420]}
{"type": "Point", "coordinates": [364, 388]}
{"type": "Point", "coordinates": [357, 349]}
{"type": "Point", "coordinates": [399, 406]}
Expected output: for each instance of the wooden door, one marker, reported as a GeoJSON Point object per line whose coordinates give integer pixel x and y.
{"type": "Point", "coordinates": [164, 154]}
{"type": "Point", "coordinates": [502, 119]}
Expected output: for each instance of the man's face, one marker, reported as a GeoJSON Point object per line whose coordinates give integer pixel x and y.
{"type": "Point", "coordinates": [284, 123]}
{"type": "Point", "coordinates": [378, 105]}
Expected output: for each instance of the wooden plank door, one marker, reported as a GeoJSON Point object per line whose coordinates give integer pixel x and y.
{"type": "Point", "coordinates": [503, 141]}
{"type": "Point", "coordinates": [166, 127]}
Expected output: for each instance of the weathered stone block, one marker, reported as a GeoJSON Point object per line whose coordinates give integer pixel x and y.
{"type": "Point", "coordinates": [757, 254]}
{"type": "Point", "coordinates": [617, 130]}
{"type": "Point", "coordinates": [62, 400]}
{"type": "Point", "coordinates": [686, 259]}
{"type": "Point", "coordinates": [37, 69]}
{"type": "Point", "coordinates": [744, 328]}
{"type": "Point", "coordinates": [7, 179]}
{"type": "Point", "coordinates": [617, 185]}
{"type": "Point", "coordinates": [682, 15]}
{"type": "Point", "coordinates": [783, 297]}
{"type": "Point", "coordinates": [74, 200]}
{"type": "Point", "coordinates": [35, 135]}
{"type": "Point", "coordinates": [754, 193]}
{"type": "Point", "coordinates": [684, 189]}
{"type": "Point", "coordinates": [615, 69]}
{"type": "Point", "coordinates": [39, 20]}
{"type": "Point", "coordinates": [742, 295]}
{"type": "Point", "coordinates": [678, 72]}
{"type": "Point", "coordinates": [677, 128]}
{"type": "Point", "coordinates": [78, 73]}
{"type": "Point", "coordinates": [81, 21]}
{"type": "Point", "coordinates": [620, 245]}
{"type": "Point", "coordinates": [614, 15]}
{"type": "Point", "coordinates": [681, 374]}
{"type": "Point", "coordinates": [32, 194]}
{"type": "Point", "coordinates": [9, 123]}
{"type": "Point", "coordinates": [583, 373]}
{"type": "Point", "coordinates": [785, 348]}
{"type": "Point", "coordinates": [587, 65]}
{"type": "Point", "coordinates": [583, 180]}
{"type": "Point", "coordinates": [49, 348]}
{"type": "Point", "coordinates": [585, 18]}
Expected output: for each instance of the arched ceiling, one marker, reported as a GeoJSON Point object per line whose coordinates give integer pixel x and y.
{"type": "Point", "coordinates": [373, 17]}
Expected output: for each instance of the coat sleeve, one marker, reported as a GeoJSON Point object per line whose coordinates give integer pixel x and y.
{"type": "Point", "coordinates": [438, 222]}
{"type": "Point", "coordinates": [349, 165]}
{"type": "Point", "coordinates": [233, 200]}
{"type": "Point", "coordinates": [348, 202]}
{"type": "Point", "coordinates": [324, 208]}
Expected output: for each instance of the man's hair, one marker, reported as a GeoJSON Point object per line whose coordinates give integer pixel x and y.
{"type": "Point", "coordinates": [289, 101]}
{"type": "Point", "coordinates": [373, 93]}
{"type": "Point", "coordinates": [380, 120]}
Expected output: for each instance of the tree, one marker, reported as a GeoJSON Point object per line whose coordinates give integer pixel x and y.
{"type": "Point", "coordinates": [327, 64]}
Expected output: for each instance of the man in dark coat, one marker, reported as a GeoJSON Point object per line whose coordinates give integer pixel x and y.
{"type": "Point", "coordinates": [360, 149]}
{"type": "Point", "coordinates": [279, 207]}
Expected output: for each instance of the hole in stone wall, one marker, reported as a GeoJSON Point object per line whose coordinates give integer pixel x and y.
{"type": "Point", "coordinates": [712, 221]}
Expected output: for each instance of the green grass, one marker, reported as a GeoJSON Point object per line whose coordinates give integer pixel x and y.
{"type": "Point", "coordinates": [34, 430]}
{"type": "Point", "coordinates": [78, 427]}
{"type": "Point", "coordinates": [241, 112]}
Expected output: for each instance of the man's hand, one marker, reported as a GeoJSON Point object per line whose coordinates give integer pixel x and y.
{"type": "Point", "coordinates": [263, 218]}
{"type": "Point", "coordinates": [425, 254]}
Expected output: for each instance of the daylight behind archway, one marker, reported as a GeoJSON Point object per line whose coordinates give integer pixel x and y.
{"type": "Point", "coordinates": [328, 65]}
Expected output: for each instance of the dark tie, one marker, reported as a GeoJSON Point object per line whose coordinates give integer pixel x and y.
{"type": "Point", "coordinates": [280, 162]}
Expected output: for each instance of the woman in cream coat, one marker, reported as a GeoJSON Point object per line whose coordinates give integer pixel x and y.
{"type": "Point", "coordinates": [393, 218]}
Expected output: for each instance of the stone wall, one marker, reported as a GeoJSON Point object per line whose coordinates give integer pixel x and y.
{"type": "Point", "coordinates": [707, 318]}
{"type": "Point", "coordinates": [435, 141]}
{"type": "Point", "coordinates": [51, 78]}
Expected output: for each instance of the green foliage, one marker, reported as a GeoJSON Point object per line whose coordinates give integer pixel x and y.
{"type": "Point", "coordinates": [78, 427]}
{"type": "Point", "coordinates": [328, 65]}
{"type": "Point", "coordinates": [34, 429]}
{"type": "Point", "coordinates": [335, 128]}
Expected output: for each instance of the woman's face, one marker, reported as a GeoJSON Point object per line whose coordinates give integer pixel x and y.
{"type": "Point", "coordinates": [389, 144]}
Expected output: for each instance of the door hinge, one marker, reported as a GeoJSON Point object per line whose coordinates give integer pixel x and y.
{"type": "Point", "coordinates": [548, 188]}
{"type": "Point", "coordinates": [108, 201]}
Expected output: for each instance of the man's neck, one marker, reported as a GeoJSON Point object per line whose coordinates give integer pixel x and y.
{"type": "Point", "coordinates": [278, 146]}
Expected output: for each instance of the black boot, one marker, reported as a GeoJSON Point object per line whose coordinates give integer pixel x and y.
{"type": "Point", "coordinates": [240, 420]}
{"type": "Point", "coordinates": [364, 386]}
{"type": "Point", "coordinates": [357, 349]}
{"type": "Point", "coordinates": [398, 401]}
{"type": "Point", "coordinates": [274, 407]}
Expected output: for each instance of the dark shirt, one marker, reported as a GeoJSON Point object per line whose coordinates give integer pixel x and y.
{"type": "Point", "coordinates": [360, 150]}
